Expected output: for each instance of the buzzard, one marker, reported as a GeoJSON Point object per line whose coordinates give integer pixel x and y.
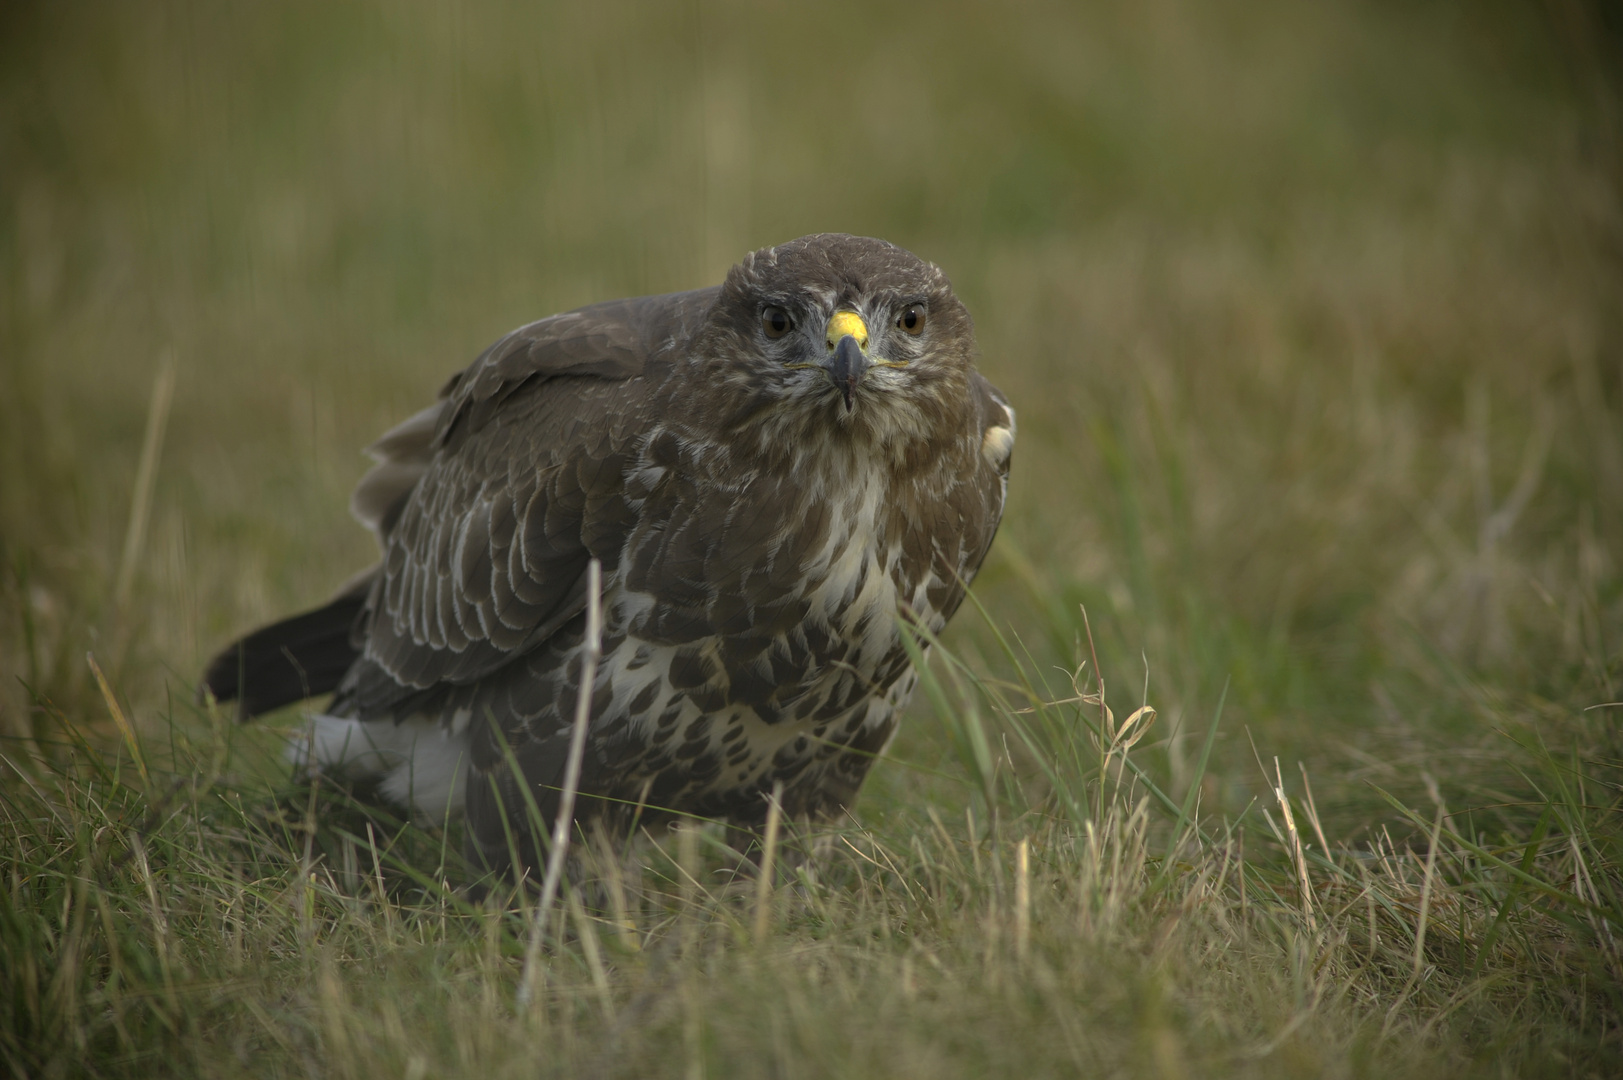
{"type": "Point", "coordinates": [774, 473]}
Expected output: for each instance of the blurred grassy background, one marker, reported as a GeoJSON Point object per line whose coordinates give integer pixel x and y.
{"type": "Point", "coordinates": [1313, 315]}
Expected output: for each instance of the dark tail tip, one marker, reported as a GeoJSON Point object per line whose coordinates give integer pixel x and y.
{"type": "Point", "coordinates": [297, 658]}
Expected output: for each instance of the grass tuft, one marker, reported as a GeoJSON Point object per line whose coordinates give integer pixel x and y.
{"type": "Point", "coordinates": [1076, 918]}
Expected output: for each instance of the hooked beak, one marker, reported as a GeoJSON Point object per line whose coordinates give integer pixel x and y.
{"type": "Point", "coordinates": [846, 362]}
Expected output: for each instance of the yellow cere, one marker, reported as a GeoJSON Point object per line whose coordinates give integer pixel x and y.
{"type": "Point", "coordinates": [847, 323]}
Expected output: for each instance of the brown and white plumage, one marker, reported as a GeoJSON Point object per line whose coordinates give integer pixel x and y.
{"type": "Point", "coordinates": [766, 502]}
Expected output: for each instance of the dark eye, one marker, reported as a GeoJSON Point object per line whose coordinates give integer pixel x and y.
{"type": "Point", "coordinates": [775, 322]}
{"type": "Point", "coordinates": [911, 320]}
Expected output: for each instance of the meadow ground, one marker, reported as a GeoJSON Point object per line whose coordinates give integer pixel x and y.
{"type": "Point", "coordinates": [1313, 316]}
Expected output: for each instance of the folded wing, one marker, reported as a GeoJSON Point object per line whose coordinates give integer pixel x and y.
{"type": "Point", "coordinates": [487, 507]}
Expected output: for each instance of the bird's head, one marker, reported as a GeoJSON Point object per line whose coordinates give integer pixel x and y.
{"type": "Point", "coordinates": [841, 330]}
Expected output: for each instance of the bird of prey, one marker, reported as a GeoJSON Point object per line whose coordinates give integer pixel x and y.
{"type": "Point", "coordinates": [775, 474]}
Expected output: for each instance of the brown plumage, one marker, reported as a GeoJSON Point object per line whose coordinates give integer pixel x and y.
{"type": "Point", "coordinates": [772, 473]}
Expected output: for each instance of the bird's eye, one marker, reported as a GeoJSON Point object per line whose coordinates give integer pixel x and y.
{"type": "Point", "coordinates": [911, 320]}
{"type": "Point", "coordinates": [775, 322]}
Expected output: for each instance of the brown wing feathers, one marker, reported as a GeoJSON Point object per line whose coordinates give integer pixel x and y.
{"type": "Point", "coordinates": [488, 506]}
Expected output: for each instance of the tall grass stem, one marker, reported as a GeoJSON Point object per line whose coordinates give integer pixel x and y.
{"type": "Point", "coordinates": [146, 473]}
{"type": "Point", "coordinates": [592, 652]}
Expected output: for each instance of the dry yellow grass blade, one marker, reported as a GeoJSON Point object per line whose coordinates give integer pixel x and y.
{"type": "Point", "coordinates": [125, 728]}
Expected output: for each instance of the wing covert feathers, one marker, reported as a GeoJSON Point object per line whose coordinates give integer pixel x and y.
{"type": "Point", "coordinates": [490, 504]}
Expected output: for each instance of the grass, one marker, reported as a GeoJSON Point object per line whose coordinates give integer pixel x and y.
{"type": "Point", "coordinates": [1311, 315]}
{"type": "Point", "coordinates": [1061, 924]}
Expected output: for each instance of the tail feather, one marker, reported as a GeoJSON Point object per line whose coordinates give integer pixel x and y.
{"type": "Point", "coordinates": [300, 657]}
